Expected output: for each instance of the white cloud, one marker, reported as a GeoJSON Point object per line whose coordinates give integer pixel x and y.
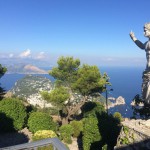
{"type": "Point", "coordinates": [11, 55]}
{"type": "Point", "coordinates": [25, 54]}
{"type": "Point", "coordinates": [41, 55]}
{"type": "Point", "coordinates": [7, 55]}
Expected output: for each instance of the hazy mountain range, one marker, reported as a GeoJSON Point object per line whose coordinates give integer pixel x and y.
{"type": "Point", "coordinates": [25, 65]}
{"type": "Point", "coordinates": [25, 69]}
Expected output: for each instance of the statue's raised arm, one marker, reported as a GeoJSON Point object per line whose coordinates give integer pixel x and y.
{"type": "Point", "coordinates": [137, 42]}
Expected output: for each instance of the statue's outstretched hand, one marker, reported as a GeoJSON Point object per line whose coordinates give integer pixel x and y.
{"type": "Point", "coordinates": [132, 36]}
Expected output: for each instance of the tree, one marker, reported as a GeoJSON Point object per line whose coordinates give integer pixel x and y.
{"type": "Point", "coordinates": [41, 121]}
{"type": "Point", "coordinates": [85, 80]}
{"type": "Point", "coordinates": [66, 132]}
{"type": "Point", "coordinates": [89, 80]}
{"type": "Point", "coordinates": [77, 127]}
{"type": "Point", "coordinates": [91, 134]}
{"type": "Point", "coordinates": [66, 71]}
{"type": "Point", "coordinates": [13, 109]}
{"type": "Point", "coordinates": [2, 72]}
{"type": "Point", "coordinates": [118, 116]}
{"type": "Point", "coordinates": [58, 97]}
{"type": "Point", "coordinates": [140, 108]}
{"type": "Point", "coordinates": [92, 109]}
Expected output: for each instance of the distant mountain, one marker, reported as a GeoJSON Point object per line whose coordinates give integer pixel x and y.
{"type": "Point", "coordinates": [25, 69]}
{"type": "Point", "coordinates": [15, 61]}
{"type": "Point", "coordinates": [34, 69]}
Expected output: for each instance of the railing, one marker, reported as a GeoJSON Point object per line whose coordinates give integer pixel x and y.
{"type": "Point", "coordinates": [55, 142]}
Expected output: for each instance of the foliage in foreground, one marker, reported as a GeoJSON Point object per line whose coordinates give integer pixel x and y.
{"type": "Point", "coordinates": [12, 114]}
{"type": "Point", "coordinates": [43, 134]}
{"type": "Point", "coordinates": [91, 132]}
{"type": "Point", "coordinates": [66, 132]}
{"type": "Point", "coordinates": [40, 121]}
{"type": "Point", "coordinates": [118, 116]}
{"type": "Point", "coordinates": [77, 127]}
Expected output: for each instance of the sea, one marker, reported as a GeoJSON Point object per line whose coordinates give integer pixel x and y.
{"type": "Point", "coordinates": [125, 82]}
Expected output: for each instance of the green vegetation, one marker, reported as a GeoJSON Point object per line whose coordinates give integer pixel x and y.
{"type": "Point", "coordinates": [57, 97]}
{"type": "Point", "coordinates": [43, 134]}
{"type": "Point", "coordinates": [40, 121]}
{"type": "Point", "coordinates": [125, 140]}
{"type": "Point", "coordinates": [12, 114]}
{"type": "Point", "coordinates": [77, 127]}
{"type": "Point", "coordinates": [85, 80]}
{"type": "Point", "coordinates": [76, 98]}
{"type": "Point", "coordinates": [144, 112]}
{"type": "Point", "coordinates": [92, 109]}
{"type": "Point", "coordinates": [30, 85]}
{"type": "Point", "coordinates": [2, 70]}
{"type": "Point", "coordinates": [66, 132]}
{"type": "Point", "coordinates": [66, 71]}
{"type": "Point", "coordinates": [118, 116]}
{"type": "Point", "coordinates": [49, 147]}
{"type": "Point", "coordinates": [91, 132]}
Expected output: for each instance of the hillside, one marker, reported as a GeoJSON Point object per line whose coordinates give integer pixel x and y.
{"type": "Point", "coordinates": [25, 69]}
{"type": "Point", "coordinates": [29, 88]}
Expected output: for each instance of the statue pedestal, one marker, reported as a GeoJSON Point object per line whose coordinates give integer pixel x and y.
{"type": "Point", "coordinates": [146, 87]}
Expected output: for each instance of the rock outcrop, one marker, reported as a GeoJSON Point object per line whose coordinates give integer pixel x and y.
{"type": "Point", "coordinates": [115, 101]}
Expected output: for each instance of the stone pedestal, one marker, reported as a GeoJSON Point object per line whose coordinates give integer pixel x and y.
{"type": "Point", "coordinates": [146, 87]}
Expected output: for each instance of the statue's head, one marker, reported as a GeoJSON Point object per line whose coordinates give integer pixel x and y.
{"type": "Point", "coordinates": [147, 29]}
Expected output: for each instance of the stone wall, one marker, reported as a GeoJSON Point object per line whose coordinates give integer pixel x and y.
{"type": "Point", "coordinates": [134, 135]}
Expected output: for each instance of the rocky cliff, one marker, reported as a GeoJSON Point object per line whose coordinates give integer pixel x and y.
{"type": "Point", "coordinates": [115, 101]}
{"type": "Point", "coordinates": [135, 134]}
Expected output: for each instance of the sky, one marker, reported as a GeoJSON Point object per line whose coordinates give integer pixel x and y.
{"type": "Point", "coordinates": [95, 31]}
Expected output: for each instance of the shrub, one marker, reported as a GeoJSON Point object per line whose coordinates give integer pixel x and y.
{"type": "Point", "coordinates": [105, 147]}
{"type": "Point", "coordinates": [66, 132]}
{"type": "Point", "coordinates": [12, 110]}
{"type": "Point", "coordinates": [118, 116]}
{"type": "Point", "coordinates": [92, 108]}
{"type": "Point", "coordinates": [91, 133]}
{"type": "Point", "coordinates": [77, 127]}
{"type": "Point", "coordinates": [40, 121]}
{"type": "Point", "coordinates": [43, 134]}
{"type": "Point", "coordinates": [49, 147]}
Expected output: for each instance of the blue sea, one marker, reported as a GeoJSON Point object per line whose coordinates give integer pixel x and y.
{"type": "Point", "coordinates": [125, 82]}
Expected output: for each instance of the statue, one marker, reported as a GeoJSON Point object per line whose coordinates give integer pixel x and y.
{"type": "Point", "coordinates": [146, 74]}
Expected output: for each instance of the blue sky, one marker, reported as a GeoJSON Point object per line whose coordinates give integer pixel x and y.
{"type": "Point", "coordinates": [95, 31]}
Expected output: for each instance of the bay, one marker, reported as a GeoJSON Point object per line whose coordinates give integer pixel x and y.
{"type": "Point", "coordinates": [126, 82]}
